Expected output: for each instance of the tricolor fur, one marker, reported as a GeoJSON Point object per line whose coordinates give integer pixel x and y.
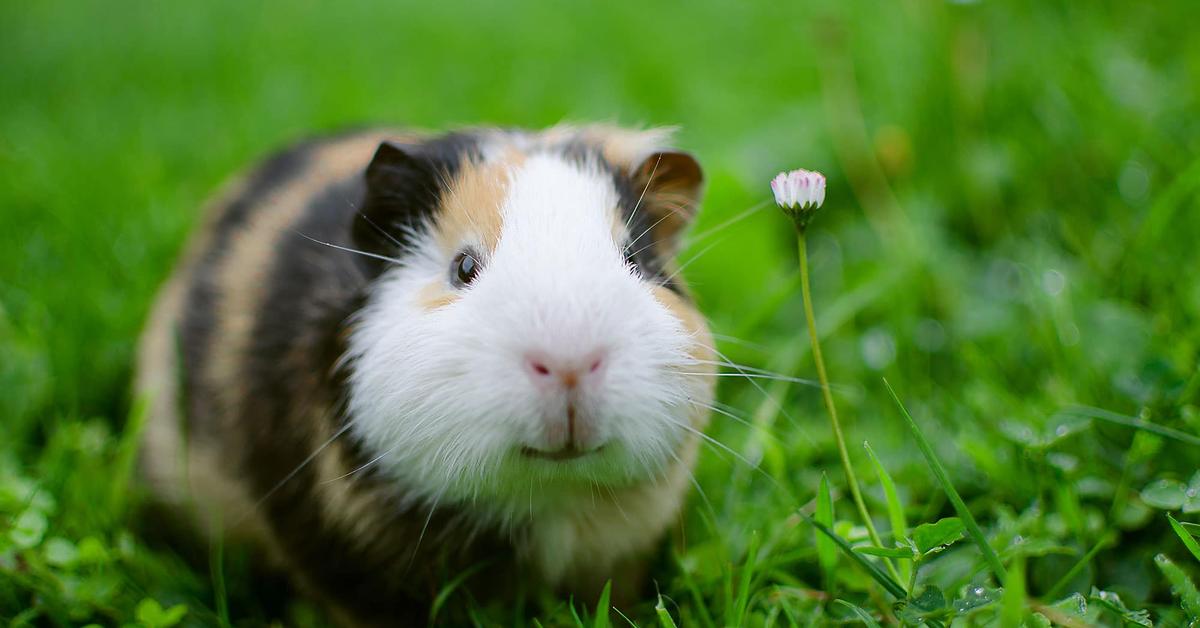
{"type": "Point", "coordinates": [374, 425]}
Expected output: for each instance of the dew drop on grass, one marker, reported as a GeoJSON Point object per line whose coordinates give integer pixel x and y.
{"type": "Point", "coordinates": [878, 348]}
{"type": "Point", "coordinates": [1134, 182]}
{"type": "Point", "coordinates": [1053, 282]}
{"type": "Point", "coordinates": [1165, 494]}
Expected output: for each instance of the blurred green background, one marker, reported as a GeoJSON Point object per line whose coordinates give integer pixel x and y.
{"type": "Point", "coordinates": [1010, 230]}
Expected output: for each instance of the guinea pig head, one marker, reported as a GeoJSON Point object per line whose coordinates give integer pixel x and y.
{"type": "Point", "coordinates": [530, 333]}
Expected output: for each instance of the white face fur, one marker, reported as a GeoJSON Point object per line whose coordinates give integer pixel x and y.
{"type": "Point", "coordinates": [555, 371]}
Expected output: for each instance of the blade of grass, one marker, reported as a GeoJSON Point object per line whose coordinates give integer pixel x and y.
{"type": "Point", "coordinates": [127, 452]}
{"type": "Point", "coordinates": [888, 584]}
{"type": "Point", "coordinates": [601, 620]}
{"type": "Point", "coordinates": [1128, 421]}
{"type": "Point", "coordinates": [217, 574]}
{"type": "Point", "coordinates": [826, 550]}
{"type": "Point", "coordinates": [664, 616]}
{"type": "Point", "coordinates": [450, 587]}
{"type": "Point", "coordinates": [742, 603]}
{"type": "Point", "coordinates": [939, 471]}
{"type": "Point", "coordinates": [1187, 539]}
{"type": "Point", "coordinates": [862, 615]}
{"type": "Point", "coordinates": [895, 509]}
{"type": "Point", "coordinates": [1012, 605]}
{"type": "Point", "coordinates": [701, 608]}
{"type": "Point", "coordinates": [1181, 584]}
{"type": "Point", "coordinates": [575, 613]}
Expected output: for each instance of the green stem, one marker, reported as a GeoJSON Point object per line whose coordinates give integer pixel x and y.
{"type": "Point", "coordinates": [1077, 567]}
{"type": "Point", "coordinates": [851, 480]}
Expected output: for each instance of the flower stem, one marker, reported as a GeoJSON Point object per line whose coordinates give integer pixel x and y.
{"type": "Point", "coordinates": [851, 480]}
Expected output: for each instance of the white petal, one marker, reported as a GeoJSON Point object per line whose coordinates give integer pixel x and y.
{"type": "Point", "coordinates": [779, 187]}
{"type": "Point", "coordinates": [804, 183]}
{"type": "Point", "coordinates": [797, 191]}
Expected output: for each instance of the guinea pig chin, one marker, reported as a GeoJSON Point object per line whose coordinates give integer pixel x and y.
{"type": "Point", "coordinates": [498, 390]}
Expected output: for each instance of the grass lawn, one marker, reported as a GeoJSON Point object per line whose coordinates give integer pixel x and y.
{"type": "Point", "coordinates": [1010, 239]}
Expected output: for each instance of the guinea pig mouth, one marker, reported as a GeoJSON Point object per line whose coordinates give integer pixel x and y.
{"type": "Point", "coordinates": [570, 452]}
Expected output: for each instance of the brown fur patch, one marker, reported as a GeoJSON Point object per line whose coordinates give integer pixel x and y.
{"type": "Point", "coordinates": [470, 212]}
{"type": "Point", "coordinates": [436, 296]}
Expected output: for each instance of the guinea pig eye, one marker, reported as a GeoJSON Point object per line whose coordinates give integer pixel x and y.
{"type": "Point", "coordinates": [464, 270]}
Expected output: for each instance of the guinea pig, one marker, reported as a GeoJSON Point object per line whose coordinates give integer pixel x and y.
{"type": "Point", "coordinates": [390, 358]}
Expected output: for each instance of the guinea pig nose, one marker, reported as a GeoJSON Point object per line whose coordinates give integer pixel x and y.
{"type": "Point", "coordinates": [569, 372]}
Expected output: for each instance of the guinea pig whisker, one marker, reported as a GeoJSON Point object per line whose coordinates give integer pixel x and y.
{"type": "Point", "coordinates": [638, 204]}
{"type": "Point", "coordinates": [754, 209]}
{"type": "Point", "coordinates": [616, 502]}
{"type": "Point", "coordinates": [644, 232]}
{"type": "Point", "coordinates": [292, 474]}
{"type": "Point", "coordinates": [737, 418]}
{"type": "Point", "coordinates": [362, 467]}
{"type": "Point", "coordinates": [416, 548]}
{"type": "Point", "coordinates": [350, 250]}
{"type": "Point", "coordinates": [774, 378]}
{"type": "Point", "coordinates": [672, 211]}
{"type": "Point", "coordinates": [692, 259]}
{"type": "Point", "coordinates": [764, 429]}
{"type": "Point", "coordinates": [720, 409]}
{"type": "Point", "coordinates": [766, 395]}
{"type": "Point", "coordinates": [652, 244]}
{"type": "Point", "coordinates": [734, 365]}
{"type": "Point", "coordinates": [712, 512]}
{"type": "Point", "coordinates": [381, 230]}
{"type": "Point", "coordinates": [723, 447]}
{"type": "Point", "coordinates": [742, 368]}
{"type": "Point", "coordinates": [709, 439]}
{"type": "Point", "coordinates": [750, 372]}
{"type": "Point", "coordinates": [741, 342]}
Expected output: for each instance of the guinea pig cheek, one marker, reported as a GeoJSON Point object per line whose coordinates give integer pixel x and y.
{"type": "Point", "coordinates": [701, 375]}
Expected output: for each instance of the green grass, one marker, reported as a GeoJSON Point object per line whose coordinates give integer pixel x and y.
{"type": "Point", "coordinates": [1009, 238]}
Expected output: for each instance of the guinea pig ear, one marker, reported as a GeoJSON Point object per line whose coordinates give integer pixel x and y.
{"type": "Point", "coordinates": [670, 184]}
{"type": "Point", "coordinates": [402, 189]}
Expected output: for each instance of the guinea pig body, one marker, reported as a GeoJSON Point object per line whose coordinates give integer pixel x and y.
{"type": "Point", "coordinates": [390, 358]}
